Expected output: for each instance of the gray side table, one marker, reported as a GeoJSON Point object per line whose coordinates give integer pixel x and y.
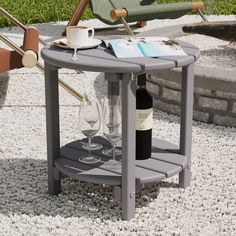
{"type": "Point", "coordinates": [167, 159]}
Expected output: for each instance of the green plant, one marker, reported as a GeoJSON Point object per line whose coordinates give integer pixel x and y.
{"type": "Point", "coordinates": [38, 11]}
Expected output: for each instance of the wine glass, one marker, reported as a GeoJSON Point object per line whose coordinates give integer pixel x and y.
{"type": "Point", "coordinates": [85, 142]}
{"type": "Point", "coordinates": [112, 122]}
{"type": "Point", "coordinates": [89, 124]}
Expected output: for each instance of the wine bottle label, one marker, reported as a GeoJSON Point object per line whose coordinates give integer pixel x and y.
{"type": "Point", "coordinates": [144, 119]}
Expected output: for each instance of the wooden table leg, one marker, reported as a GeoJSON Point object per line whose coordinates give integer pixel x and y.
{"type": "Point", "coordinates": [186, 122]}
{"type": "Point", "coordinates": [128, 146]}
{"type": "Point", "coordinates": [113, 83]}
{"type": "Point", "coordinates": [53, 132]}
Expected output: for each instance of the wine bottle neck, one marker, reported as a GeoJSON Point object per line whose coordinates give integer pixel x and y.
{"type": "Point", "coordinates": [141, 81]}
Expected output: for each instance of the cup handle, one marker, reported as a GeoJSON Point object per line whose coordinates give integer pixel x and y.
{"type": "Point", "coordinates": [92, 32]}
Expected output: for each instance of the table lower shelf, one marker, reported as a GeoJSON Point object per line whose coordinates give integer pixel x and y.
{"type": "Point", "coordinates": [164, 162]}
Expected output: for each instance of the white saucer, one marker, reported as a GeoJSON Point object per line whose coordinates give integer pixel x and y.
{"type": "Point", "coordinates": [91, 43]}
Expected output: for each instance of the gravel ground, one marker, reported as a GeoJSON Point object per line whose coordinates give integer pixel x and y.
{"type": "Point", "coordinates": [206, 208]}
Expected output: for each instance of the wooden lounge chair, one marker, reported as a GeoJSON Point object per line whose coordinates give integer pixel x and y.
{"type": "Point", "coordinates": [112, 11]}
{"type": "Point", "coordinates": [11, 59]}
{"type": "Point", "coordinates": [20, 57]}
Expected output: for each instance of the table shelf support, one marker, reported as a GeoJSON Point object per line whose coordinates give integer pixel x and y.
{"type": "Point", "coordinates": [53, 131]}
{"type": "Point", "coordinates": [128, 146]}
{"type": "Point", "coordinates": [113, 85]}
{"type": "Point", "coordinates": [186, 122]}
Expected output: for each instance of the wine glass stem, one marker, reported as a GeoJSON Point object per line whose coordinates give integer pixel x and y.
{"type": "Point", "coordinates": [89, 146]}
{"type": "Point", "coordinates": [91, 141]}
{"type": "Point", "coordinates": [113, 151]}
{"type": "Point", "coordinates": [75, 56]}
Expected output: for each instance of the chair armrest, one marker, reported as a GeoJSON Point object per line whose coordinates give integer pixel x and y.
{"type": "Point", "coordinates": [118, 13]}
{"type": "Point", "coordinates": [9, 60]}
{"type": "Point", "coordinates": [198, 5]}
{"type": "Point", "coordinates": [30, 46]}
{"type": "Point", "coordinates": [123, 12]}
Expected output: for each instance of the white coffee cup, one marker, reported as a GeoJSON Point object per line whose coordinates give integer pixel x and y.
{"type": "Point", "coordinates": [78, 35]}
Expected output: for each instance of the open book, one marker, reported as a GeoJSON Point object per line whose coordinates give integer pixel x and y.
{"type": "Point", "coordinates": [144, 47]}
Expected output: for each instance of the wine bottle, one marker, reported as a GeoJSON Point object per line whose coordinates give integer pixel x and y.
{"type": "Point", "coordinates": [144, 120]}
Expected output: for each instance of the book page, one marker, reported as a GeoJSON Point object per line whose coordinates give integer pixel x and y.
{"type": "Point", "coordinates": [124, 48]}
{"type": "Point", "coordinates": [161, 48]}
{"type": "Point", "coordinates": [144, 47]}
{"type": "Point", "coordinates": [150, 39]}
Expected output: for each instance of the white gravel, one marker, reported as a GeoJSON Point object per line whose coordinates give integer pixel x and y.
{"type": "Point", "coordinates": [207, 208]}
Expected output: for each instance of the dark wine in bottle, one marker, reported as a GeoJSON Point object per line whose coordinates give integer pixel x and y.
{"type": "Point", "coordinates": [144, 120]}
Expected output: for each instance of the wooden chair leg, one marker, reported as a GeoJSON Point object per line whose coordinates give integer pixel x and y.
{"type": "Point", "coordinates": [77, 14]}
{"type": "Point", "coordinates": [202, 15]}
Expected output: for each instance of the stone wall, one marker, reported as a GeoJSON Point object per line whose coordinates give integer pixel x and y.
{"type": "Point", "coordinates": [210, 105]}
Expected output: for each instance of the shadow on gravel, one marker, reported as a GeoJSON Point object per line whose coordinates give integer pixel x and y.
{"type": "Point", "coordinates": [100, 86]}
{"type": "Point", "coordinates": [225, 55]}
{"type": "Point", "coordinates": [4, 80]}
{"type": "Point", "coordinates": [23, 190]}
{"type": "Point", "coordinates": [51, 30]}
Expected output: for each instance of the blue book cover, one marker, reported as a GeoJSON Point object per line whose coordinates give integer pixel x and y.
{"type": "Point", "coordinates": [144, 47]}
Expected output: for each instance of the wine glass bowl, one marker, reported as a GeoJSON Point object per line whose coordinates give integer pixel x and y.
{"type": "Point", "coordinates": [85, 142]}
{"type": "Point", "coordinates": [89, 124]}
{"type": "Point", "coordinates": [111, 131]}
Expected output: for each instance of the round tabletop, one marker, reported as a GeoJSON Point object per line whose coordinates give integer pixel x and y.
{"type": "Point", "coordinates": [102, 59]}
